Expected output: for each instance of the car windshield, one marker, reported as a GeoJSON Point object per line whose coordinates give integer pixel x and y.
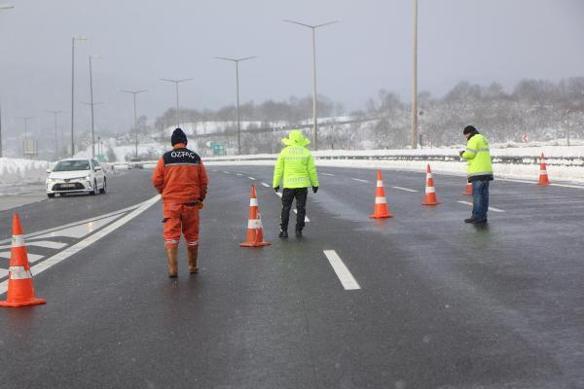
{"type": "Point", "coordinates": [68, 166]}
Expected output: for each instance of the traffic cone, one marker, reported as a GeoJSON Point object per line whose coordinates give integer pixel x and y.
{"type": "Point", "coordinates": [543, 176]}
{"type": "Point", "coordinates": [20, 286]}
{"type": "Point", "coordinates": [381, 208]}
{"type": "Point", "coordinates": [255, 230]}
{"type": "Point", "coordinates": [430, 197]}
{"type": "Point", "coordinates": [468, 189]}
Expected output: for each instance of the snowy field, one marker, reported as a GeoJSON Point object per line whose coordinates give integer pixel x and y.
{"type": "Point", "coordinates": [22, 171]}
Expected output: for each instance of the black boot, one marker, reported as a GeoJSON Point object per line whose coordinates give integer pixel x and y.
{"type": "Point", "coordinates": [283, 234]}
{"type": "Point", "coordinates": [298, 233]}
{"type": "Point", "coordinates": [470, 220]}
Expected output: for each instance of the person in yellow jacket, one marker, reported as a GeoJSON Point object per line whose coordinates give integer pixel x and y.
{"type": "Point", "coordinates": [479, 172]}
{"type": "Point", "coordinates": [296, 172]}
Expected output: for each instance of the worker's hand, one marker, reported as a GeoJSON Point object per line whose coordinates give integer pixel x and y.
{"type": "Point", "coordinates": [460, 153]}
{"type": "Point", "coordinates": [315, 189]}
{"type": "Point", "coordinates": [276, 189]}
{"type": "Point", "coordinates": [200, 205]}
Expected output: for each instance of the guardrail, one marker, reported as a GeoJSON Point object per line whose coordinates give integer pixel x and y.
{"type": "Point", "coordinates": [505, 160]}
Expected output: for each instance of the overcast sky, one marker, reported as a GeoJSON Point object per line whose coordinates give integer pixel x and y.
{"type": "Point", "coordinates": [141, 41]}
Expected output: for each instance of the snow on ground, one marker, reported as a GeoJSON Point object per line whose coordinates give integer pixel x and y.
{"type": "Point", "coordinates": [22, 171]}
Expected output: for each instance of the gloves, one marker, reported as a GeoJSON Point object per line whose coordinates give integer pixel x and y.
{"type": "Point", "coordinates": [315, 189]}
{"type": "Point", "coordinates": [460, 153]}
{"type": "Point", "coordinates": [276, 189]}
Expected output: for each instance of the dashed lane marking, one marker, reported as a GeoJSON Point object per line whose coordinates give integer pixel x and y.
{"type": "Point", "coordinates": [266, 185]}
{"type": "Point", "coordinates": [490, 208]}
{"type": "Point", "coordinates": [347, 280]}
{"type": "Point", "coordinates": [251, 178]}
{"type": "Point", "coordinates": [306, 219]}
{"type": "Point", "coordinates": [226, 172]}
{"type": "Point", "coordinates": [405, 189]}
{"type": "Point", "coordinates": [328, 174]}
{"type": "Point", "coordinates": [3, 273]}
{"type": "Point", "coordinates": [278, 194]}
{"type": "Point", "coordinates": [239, 174]}
{"type": "Point", "coordinates": [359, 180]}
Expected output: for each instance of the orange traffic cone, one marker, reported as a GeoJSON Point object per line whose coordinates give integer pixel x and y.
{"type": "Point", "coordinates": [468, 189]}
{"type": "Point", "coordinates": [20, 287]}
{"type": "Point", "coordinates": [381, 208]}
{"type": "Point", "coordinates": [543, 176]}
{"type": "Point", "coordinates": [255, 230]}
{"type": "Point", "coordinates": [430, 197]}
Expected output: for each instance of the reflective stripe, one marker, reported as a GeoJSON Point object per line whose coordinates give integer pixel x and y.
{"type": "Point", "coordinates": [471, 150]}
{"type": "Point", "coordinates": [17, 240]}
{"type": "Point", "coordinates": [543, 172]}
{"type": "Point", "coordinates": [428, 175]}
{"type": "Point", "coordinates": [195, 243]}
{"type": "Point", "coordinates": [254, 224]}
{"type": "Point", "coordinates": [483, 149]}
{"type": "Point", "coordinates": [253, 202]}
{"type": "Point", "coordinates": [430, 189]}
{"type": "Point", "coordinates": [18, 273]}
{"type": "Point", "coordinates": [172, 241]}
{"type": "Point", "coordinates": [379, 183]}
{"type": "Point", "coordinates": [380, 200]}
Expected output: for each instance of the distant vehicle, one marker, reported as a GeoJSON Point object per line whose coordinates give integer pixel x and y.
{"type": "Point", "coordinates": [76, 176]}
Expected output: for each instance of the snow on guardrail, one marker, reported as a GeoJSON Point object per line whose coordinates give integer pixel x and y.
{"type": "Point", "coordinates": [25, 171]}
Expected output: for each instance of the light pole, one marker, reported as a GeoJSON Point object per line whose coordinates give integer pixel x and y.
{"type": "Point", "coordinates": [56, 119]}
{"type": "Point", "coordinates": [414, 112]}
{"type": "Point", "coordinates": [73, 40]}
{"type": "Point", "coordinates": [91, 58]}
{"type": "Point", "coordinates": [236, 61]}
{"type": "Point", "coordinates": [25, 119]}
{"type": "Point", "coordinates": [2, 7]}
{"type": "Point", "coordinates": [176, 82]}
{"type": "Point", "coordinates": [314, 93]}
{"type": "Point", "coordinates": [134, 93]}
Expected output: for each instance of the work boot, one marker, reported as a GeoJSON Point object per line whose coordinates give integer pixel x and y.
{"type": "Point", "coordinates": [283, 234]}
{"type": "Point", "coordinates": [470, 220]}
{"type": "Point", "coordinates": [192, 256]}
{"type": "Point", "coordinates": [298, 233]}
{"type": "Point", "coordinates": [480, 221]}
{"type": "Point", "coordinates": [171, 254]}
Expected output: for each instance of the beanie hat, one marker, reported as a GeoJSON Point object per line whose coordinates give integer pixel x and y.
{"type": "Point", "coordinates": [178, 136]}
{"type": "Point", "coordinates": [469, 130]}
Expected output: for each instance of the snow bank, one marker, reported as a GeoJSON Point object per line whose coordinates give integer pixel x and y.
{"type": "Point", "coordinates": [22, 171]}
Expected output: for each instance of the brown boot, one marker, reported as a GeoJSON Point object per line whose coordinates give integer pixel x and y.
{"type": "Point", "coordinates": [171, 255]}
{"type": "Point", "coordinates": [193, 255]}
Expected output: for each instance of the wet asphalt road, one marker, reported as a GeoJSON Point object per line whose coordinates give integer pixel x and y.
{"type": "Point", "coordinates": [441, 305]}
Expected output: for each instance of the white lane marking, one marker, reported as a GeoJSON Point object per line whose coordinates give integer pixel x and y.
{"type": "Point", "coordinates": [349, 282]}
{"type": "Point", "coordinates": [3, 273]}
{"type": "Point", "coordinates": [251, 178]}
{"type": "Point", "coordinates": [41, 243]}
{"type": "Point", "coordinates": [359, 180]}
{"type": "Point", "coordinates": [32, 258]}
{"type": "Point", "coordinates": [55, 259]}
{"type": "Point", "coordinates": [327, 174]}
{"type": "Point", "coordinates": [278, 194]}
{"type": "Point", "coordinates": [82, 230]}
{"type": "Point", "coordinates": [226, 172]}
{"type": "Point", "coordinates": [306, 219]}
{"type": "Point", "coordinates": [405, 189]}
{"type": "Point", "coordinates": [490, 208]}
{"type": "Point", "coordinates": [266, 185]}
{"type": "Point", "coordinates": [239, 174]}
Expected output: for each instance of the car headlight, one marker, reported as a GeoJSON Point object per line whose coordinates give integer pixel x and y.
{"type": "Point", "coordinates": [87, 178]}
{"type": "Point", "coordinates": [51, 180]}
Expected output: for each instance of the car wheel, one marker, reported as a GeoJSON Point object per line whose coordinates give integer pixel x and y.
{"type": "Point", "coordinates": [50, 195]}
{"type": "Point", "coordinates": [92, 192]}
{"type": "Point", "coordinates": [103, 189]}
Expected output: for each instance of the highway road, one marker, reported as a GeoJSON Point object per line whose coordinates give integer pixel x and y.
{"type": "Point", "coordinates": [421, 300]}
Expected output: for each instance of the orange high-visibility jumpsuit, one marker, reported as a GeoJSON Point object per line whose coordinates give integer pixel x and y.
{"type": "Point", "coordinates": [181, 179]}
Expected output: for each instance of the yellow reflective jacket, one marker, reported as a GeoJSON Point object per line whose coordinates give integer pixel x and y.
{"type": "Point", "coordinates": [295, 164]}
{"type": "Point", "coordinates": [478, 156]}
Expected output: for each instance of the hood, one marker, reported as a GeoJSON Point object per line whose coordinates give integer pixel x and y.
{"type": "Point", "coordinates": [296, 138]}
{"type": "Point", "coordinates": [68, 175]}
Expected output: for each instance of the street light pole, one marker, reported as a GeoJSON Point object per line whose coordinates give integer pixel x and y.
{"type": "Point", "coordinates": [92, 104]}
{"type": "Point", "coordinates": [73, 40]}
{"type": "Point", "coordinates": [236, 61]}
{"type": "Point", "coordinates": [26, 119]}
{"type": "Point", "coordinates": [414, 112]}
{"type": "Point", "coordinates": [134, 93]}
{"type": "Point", "coordinates": [314, 92]}
{"type": "Point", "coordinates": [55, 117]}
{"type": "Point", "coordinates": [2, 7]}
{"type": "Point", "coordinates": [176, 82]}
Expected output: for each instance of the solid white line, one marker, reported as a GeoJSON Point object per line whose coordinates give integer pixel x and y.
{"type": "Point", "coordinates": [55, 259]}
{"type": "Point", "coordinates": [490, 208]}
{"type": "Point", "coordinates": [266, 185]}
{"type": "Point", "coordinates": [327, 174]}
{"type": "Point", "coordinates": [404, 189]}
{"type": "Point", "coordinates": [360, 180]}
{"type": "Point", "coordinates": [349, 282]}
{"type": "Point", "coordinates": [306, 219]}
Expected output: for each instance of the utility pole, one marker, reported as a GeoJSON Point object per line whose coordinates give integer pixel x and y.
{"type": "Point", "coordinates": [415, 79]}
{"type": "Point", "coordinates": [314, 92]}
{"type": "Point", "coordinates": [176, 82]}
{"type": "Point", "coordinates": [134, 93]}
{"type": "Point", "coordinates": [73, 40]}
{"type": "Point", "coordinates": [56, 129]}
{"type": "Point", "coordinates": [236, 61]}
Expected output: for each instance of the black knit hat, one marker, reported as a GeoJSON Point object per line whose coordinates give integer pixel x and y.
{"type": "Point", "coordinates": [178, 136]}
{"type": "Point", "coordinates": [469, 130]}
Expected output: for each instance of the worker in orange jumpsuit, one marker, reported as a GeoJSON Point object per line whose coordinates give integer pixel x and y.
{"type": "Point", "coordinates": [181, 179]}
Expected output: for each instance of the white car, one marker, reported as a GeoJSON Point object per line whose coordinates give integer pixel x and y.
{"type": "Point", "coordinates": [76, 176]}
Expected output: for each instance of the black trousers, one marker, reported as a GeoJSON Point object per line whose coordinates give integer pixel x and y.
{"type": "Point", "coordinates": [288, 195]}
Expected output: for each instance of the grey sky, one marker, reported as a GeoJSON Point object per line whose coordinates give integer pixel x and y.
{"type": "Point", "coordinates": [144, 40]}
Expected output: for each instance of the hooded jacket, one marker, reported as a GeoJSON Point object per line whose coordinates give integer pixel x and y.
{"type": "Point", "coordinates": [295, 164]}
